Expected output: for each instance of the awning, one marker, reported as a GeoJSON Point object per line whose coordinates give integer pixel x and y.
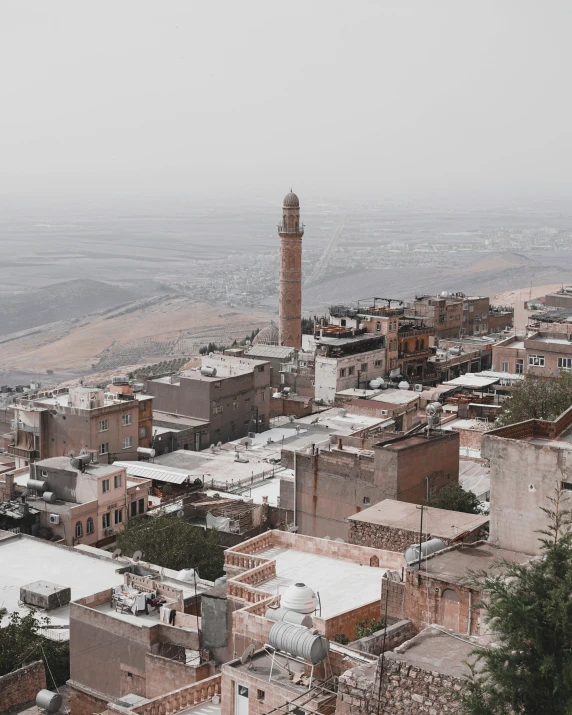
{"type": "Point", "coordinates": [155, 471]}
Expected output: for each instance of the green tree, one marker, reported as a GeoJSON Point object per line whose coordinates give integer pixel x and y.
{"type": "Point", "coordinates": [529, 607]}
{"type": "Point", "coordinates": [174, 544]}
{"type": "Point", "coordinates": [455, 498]}
{"type": "Point", "coordinates": [538, 399]}
{"type": "Point", "coordinates": [21, 642]}
{"type": "Point", "coordinates": [368, 628]}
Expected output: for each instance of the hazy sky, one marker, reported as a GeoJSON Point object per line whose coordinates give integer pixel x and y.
{"type": "Point", "coordinates": [246, 97]}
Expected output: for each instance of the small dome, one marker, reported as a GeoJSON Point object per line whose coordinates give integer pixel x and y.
{"type": "Point", "coordinates": [267, 336]}
{"type": "Point", "coordinates": [291, 201]}
{"type": "Point", "coordinates": [300, 598]}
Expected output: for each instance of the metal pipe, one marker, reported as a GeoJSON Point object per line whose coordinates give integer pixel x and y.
{"type": "Point", "coordinates": [470, 613]}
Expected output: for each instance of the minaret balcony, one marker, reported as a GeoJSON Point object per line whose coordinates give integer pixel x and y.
{"type": "Point", "coordinates": [299, 230]}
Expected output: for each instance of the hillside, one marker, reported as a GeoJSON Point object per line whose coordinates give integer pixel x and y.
{"type": "Point", "coordinates": [63, 301]}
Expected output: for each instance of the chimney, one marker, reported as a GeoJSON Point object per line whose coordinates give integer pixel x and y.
{"type": "Point", "coordinates": [340, 443]}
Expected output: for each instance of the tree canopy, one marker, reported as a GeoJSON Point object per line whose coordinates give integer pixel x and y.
{"type": "Point", "coordinates": [21, 642]}
{"type": "Point", "coordinates": [529, 607]}
{"type": "Point", "coordinates": [174, 544]}
{"type": "Point", "coordinates": [455, 498]}
{"type": "Point", "coordinates": [538, 399]}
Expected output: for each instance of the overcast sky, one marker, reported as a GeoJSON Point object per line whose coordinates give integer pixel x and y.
{"type": "Point", "coordinates": [334, 97]}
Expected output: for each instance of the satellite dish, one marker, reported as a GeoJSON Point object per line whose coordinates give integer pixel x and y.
{"type": "Point", "coordinates": [219, 444]}
{"type": "Point", "coordinates": [212, 448]}
{"type": "Point", "coordinates": [246, 657]}
{"type": "Point", "coordinates": [83, 450]}
{"type": "Point", "coordinates": [137, 556]}
{"type": "Point", "coordinates": [71, 454]}
{"type": "Point", "coordinates": [116, 554]}
{"type": "Point", "coordinates": [246, 442]}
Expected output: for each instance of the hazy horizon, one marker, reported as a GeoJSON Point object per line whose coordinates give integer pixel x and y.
{"type": "Point", "coordinates": [371, 100]}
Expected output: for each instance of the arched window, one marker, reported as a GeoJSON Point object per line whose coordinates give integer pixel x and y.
{"type": "Point", "coordinates": [421, 344]}
{"type": "Point", "coordinates": [417, 345]}
{"type": "Point", "coordinates": [78, 530]}
{"type": "Point", "coordinates": [89, 526]}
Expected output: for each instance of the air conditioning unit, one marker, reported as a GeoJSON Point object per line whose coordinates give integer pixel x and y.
{"type": "Point", "coordinates": [54, 518]}
{"type": "Point", "coordinates": [418, 388]}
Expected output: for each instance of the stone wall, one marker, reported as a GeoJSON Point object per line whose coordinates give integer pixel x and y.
{"type": "Point", "coordinates": [22, 685]}
{"type": "Point", "coordinates": [392, 637]}
{"type": "Point", "coordinates": [378, 536]}
{"type": "Point", "coordinates": [164, 674]}
{"type": "Point", "coordinates": [406, 690]}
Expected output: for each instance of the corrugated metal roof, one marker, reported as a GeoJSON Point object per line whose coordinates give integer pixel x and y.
{"type": "Point", "coordinates": [154, 471]}
{"type": "Point", "coordinates": [276, 351]}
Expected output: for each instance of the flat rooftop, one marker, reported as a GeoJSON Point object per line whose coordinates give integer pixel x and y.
{"type": "Point", "coordinates": [397, 397]}
{"type": "Point", "coordinates": [402, 515]}
{"type": "Point", "coordinates": [269, 351]}
{"type": "Point", "coordinates": [455, 565]}
{"type": "Point", "coordinates": [434, 650]}
{"type": "Point", "coordinates": [25, 559]}
{"type": "Point", "coordinates": [93, 468]}
{"type": "Point", "coordinates": [262, 669]}
{"type": "Point", "coordinates": [342, 585]}
{"type": "Point", "coordinates": [179, 420]}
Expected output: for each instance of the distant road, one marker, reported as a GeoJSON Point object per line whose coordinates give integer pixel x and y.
{"type": "Point", "coordinates": [321, 266]}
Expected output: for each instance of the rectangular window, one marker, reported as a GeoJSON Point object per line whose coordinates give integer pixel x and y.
{"type": "Point", "coordinates": [133, 509]}
{"type": "Point", "coordinates": [142, 432]}
{"type": "Point", "coordinates": [104, 448]}
{"type": "Point", "coordinates": [127, 441]}
{"type": "Point", "coordinates": [477, 328]}
{"type": "Point", "coordinates": [363, 367]}
{"type": "Point", "coordinates": [235, 401]}
{"type": "Point", "coordinates": [217, 410]}
{"type": "Point", "coordinates": [565, 363]}
{"type": "Point", "coordinates": [103, 425]}
{"type": "Point", "coordinates": [141, 506]}
{"type": "Point", "coordinates": [261, 368]}
{"type": "Point", "coordinates": [260, 694]}
{"type": "Point", "coordinates": [217, 385]}
{"type": "Point", "coordinates": [105, 485]}
{"type": "Point", "coordinates": [484, 328]}
{"type": "Point", "coordinates": [519, 366]}
{"type": "Point", "coordinates": [117, 481]}
{"type": "Point", "coordinates": [504, 367]}
{"type": "Point", "coordinates": [106, 521]}
{"type": "Point", "coordinates": [263, 395]}
{"type": "Point", "coordinates": [366, 500]}
{"type": "Point", "coordinates": [536, 360]}
{"type": "Point", "coordinates": [465, 306]}
{"type": "Point", "coordinates": [471, 309]}
{"type": "Point", "coordinates": [343, 372]}
{"type": "Point", "coordinates": [118, 516]}
{"type": "Point", "coordinates": [377, 363]}
{"type": "Point", "coordinates": [126, 419]}
{"type": "Point", "coordinates": [566, 485]}
{"type": "Point", "coordinates": [351, 370]}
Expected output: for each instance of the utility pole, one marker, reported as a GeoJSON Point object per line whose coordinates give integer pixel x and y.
{"type": "Point", "coordinates": [420, 537]}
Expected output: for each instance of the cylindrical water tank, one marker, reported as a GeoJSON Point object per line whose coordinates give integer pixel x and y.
{"type": "Point", "coordinates": [299, 642]}
{"type": "Point", "coordinates": [208, 371]}
{"type": "Point", "coordinates": [48, 701]}
{"type": "Point", "coordinates": [300, 598]}
{"type": "Point", "coordinates": [40, 485]}
{"type": "Point", "coordinates": [403, 385]}
{"type": "Point", "coordinates": [283, 614]}
{"type": "Point", "coordinates": [49, 497]}
{"type": "Point", "coordinates": [427, 547]}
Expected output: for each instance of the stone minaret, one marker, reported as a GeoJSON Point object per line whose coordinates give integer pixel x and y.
{"type": "Point", "coordinates": [290, 308]}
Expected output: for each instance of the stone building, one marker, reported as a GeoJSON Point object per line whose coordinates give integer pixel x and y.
{"type": "Point", "coordinates": [57, 422]}
{"type": "Point", "coordinates": [290, 230]}
{"type": "Point", "coordinates": [394, 525]}
{"type": "Point", "coordinates": [231, 394]}
{"type": "Point", "coordinates": [352, 473]}
{"type": "Point", "coordinates": [542, 354]}
{"type": "Point", "coordinates": [528, 462]}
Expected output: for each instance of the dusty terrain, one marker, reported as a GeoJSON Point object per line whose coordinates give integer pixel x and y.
{"type": "Point", "coordinates": [144, 331]}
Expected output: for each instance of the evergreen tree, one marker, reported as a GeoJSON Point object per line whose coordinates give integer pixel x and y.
{"type": "Point", "coordinates": [455, 498]}
{"type": "Point", "coordinates": [529, 608]}
{"type": "Point", "coordinates": [174, 544]}
{"type": "Point", "coordinates": [538, 399]}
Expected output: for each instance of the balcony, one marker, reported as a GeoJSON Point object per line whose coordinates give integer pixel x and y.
{"type": "Point", "coordinates": [419, 332]}
{"type": "Point", "coordinates": [34, 429]}
{"type": "Point", "coordinates": [296, 231]}
{"type": "Point", "coordinates": [29, 454]}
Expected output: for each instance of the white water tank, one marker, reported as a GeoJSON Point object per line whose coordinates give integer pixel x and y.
{"type": "Point", "coordinates": [376, 383]}
{"type": "Point", "coordinates": [403, 385]}
{"type": "Point", "coordinates": [208, 371]}
{"type": "Point", "coordinates": [300, 598]}
{"type": "Point", "coordinates": [296, 619]}
{"type": "Point", "coordinates": [48, 701]}
{"type": "Point", "coordinates": [299, 642]}
{"type": "Point", "coordinates": [427, 547]}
